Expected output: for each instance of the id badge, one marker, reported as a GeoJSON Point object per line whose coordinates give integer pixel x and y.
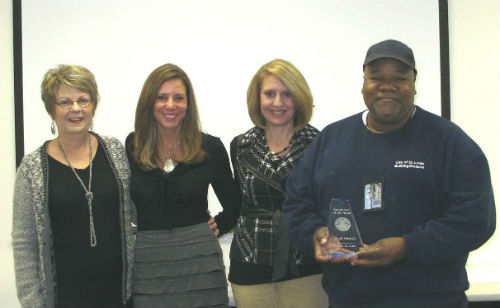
{"type": "Point", "coordinates": [372, 190]}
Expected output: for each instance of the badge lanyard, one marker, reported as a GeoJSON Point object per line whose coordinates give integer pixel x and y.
{"type": "Point", "coordinates": [373, 187]}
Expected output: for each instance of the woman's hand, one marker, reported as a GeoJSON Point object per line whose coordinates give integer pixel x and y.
{"type": "Point", "coordinates": [213, 225]}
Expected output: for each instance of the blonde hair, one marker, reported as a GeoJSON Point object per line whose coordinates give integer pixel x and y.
{"type": "Point", "coordinates": [74, 76]}
{"type": "Point", "coordinates": [145, 143]}
{"type": "Point", "coordinates": [296, 84]}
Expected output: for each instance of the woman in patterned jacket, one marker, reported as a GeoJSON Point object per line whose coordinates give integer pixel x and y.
{"type": "Point", "coordinates": [266, 271]}
{"type": "Point", "coordinates": [72, 222]}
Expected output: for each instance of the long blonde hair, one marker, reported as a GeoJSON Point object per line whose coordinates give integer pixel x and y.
{"type": "Point", "coordinates": [145, 143]}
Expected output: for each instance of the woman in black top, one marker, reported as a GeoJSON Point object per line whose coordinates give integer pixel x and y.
{"type": "Point", "coordinates": [72, 233]}
{"type": "Point", "coordinates": [266, 271]}
{"type": "Point", "coordinates": [178, 258]}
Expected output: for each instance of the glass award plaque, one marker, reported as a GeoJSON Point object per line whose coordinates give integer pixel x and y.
{"type": "Point", "coordinates": [343, 235]}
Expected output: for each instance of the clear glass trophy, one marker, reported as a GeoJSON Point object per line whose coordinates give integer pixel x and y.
{"type": "Point", "coordinates": [343, 236]}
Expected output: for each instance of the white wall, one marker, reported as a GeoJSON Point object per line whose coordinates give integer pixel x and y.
{"type": "Point", "coordinates": [475, 106]}
{"type": "Point", "coordinates": [8, 296]}
{"type": "Point", "coordinates": [475, 79]}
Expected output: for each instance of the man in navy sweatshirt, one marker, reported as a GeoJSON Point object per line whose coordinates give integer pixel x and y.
{"type": "Point", "coordinates": [434, 201]}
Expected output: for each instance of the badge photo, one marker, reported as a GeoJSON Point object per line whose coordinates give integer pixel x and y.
{"type": "Point", "coordinates": [373, 194]}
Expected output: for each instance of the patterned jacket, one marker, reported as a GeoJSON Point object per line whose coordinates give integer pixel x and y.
{"type": "Point", "coordinates": [262, 180]}
{"type": "Point", "coordinates": [31, 231]}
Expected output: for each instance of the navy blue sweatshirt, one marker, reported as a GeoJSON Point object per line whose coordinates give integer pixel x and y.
{"type": "Point", "coordinates": [437, 196]}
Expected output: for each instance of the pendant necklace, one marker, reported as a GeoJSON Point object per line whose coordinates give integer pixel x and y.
{"type": "Point", "coordinates": [169, 164]}
{"type": "Point", "coordinates": [88, 193]}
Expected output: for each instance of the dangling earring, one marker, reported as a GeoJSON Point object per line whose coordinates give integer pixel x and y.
{"type": "Point", "coordinates": [91, 128]}
{"type": "Point", "coordinates": [53, 128]}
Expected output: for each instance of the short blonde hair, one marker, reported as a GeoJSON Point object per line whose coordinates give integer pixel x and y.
{"type": "Point", "coordinates": [145, 144]}
{"type": "Point", "coordinates": [296, 84]}
{"type": "Point", "coordinates": [74, 76]}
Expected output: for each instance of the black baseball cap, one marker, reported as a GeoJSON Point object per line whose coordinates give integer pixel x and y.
{"type": "Point", "coordinates": [390, 49]}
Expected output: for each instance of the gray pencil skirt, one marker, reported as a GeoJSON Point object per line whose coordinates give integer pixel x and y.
{"type": "Point", "coordinates": [182, 267]}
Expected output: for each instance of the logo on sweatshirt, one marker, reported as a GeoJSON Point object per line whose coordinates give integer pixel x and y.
{"type": "Point", "coordinates": [409, 164]}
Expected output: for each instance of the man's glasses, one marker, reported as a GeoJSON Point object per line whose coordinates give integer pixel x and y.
{"type": "Point", "coordinates": [67, 103]}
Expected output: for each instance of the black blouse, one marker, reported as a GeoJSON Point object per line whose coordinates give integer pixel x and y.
{"type": "Point", "coordinates": [179, 198]}
{"type": "Point", "coordinates": [85, 276]}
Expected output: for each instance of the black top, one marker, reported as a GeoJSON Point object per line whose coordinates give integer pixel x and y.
{"type": "Point", "coordinates": [85, 276]}
{"type": "Point", "coordinates": [179, 198]}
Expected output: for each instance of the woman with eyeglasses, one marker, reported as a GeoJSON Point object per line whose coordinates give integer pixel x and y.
{"type": "Point", "coordinates": [178, 257]}
{"type": "Point", "coordinates": [72, 223]}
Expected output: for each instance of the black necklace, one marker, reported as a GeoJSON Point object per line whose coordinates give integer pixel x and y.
{"type": "Point", "coordinates": [276, 155]}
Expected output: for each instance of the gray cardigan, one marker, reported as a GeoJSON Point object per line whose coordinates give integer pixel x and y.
{"type": "Point", "coordinates": [32, 234]}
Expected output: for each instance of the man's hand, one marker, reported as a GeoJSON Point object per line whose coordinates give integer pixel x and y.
{"type": "Point", "coordinates": [320, 241]}
{"type": "Point", "coordinates": [386, 251]}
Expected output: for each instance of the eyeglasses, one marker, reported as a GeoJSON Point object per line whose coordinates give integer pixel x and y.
{"type": "Point", "coordinates": [67, 103]}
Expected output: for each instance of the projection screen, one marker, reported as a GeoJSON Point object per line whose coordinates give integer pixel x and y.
{"type": "Point", "coordinates": [220, 44]}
